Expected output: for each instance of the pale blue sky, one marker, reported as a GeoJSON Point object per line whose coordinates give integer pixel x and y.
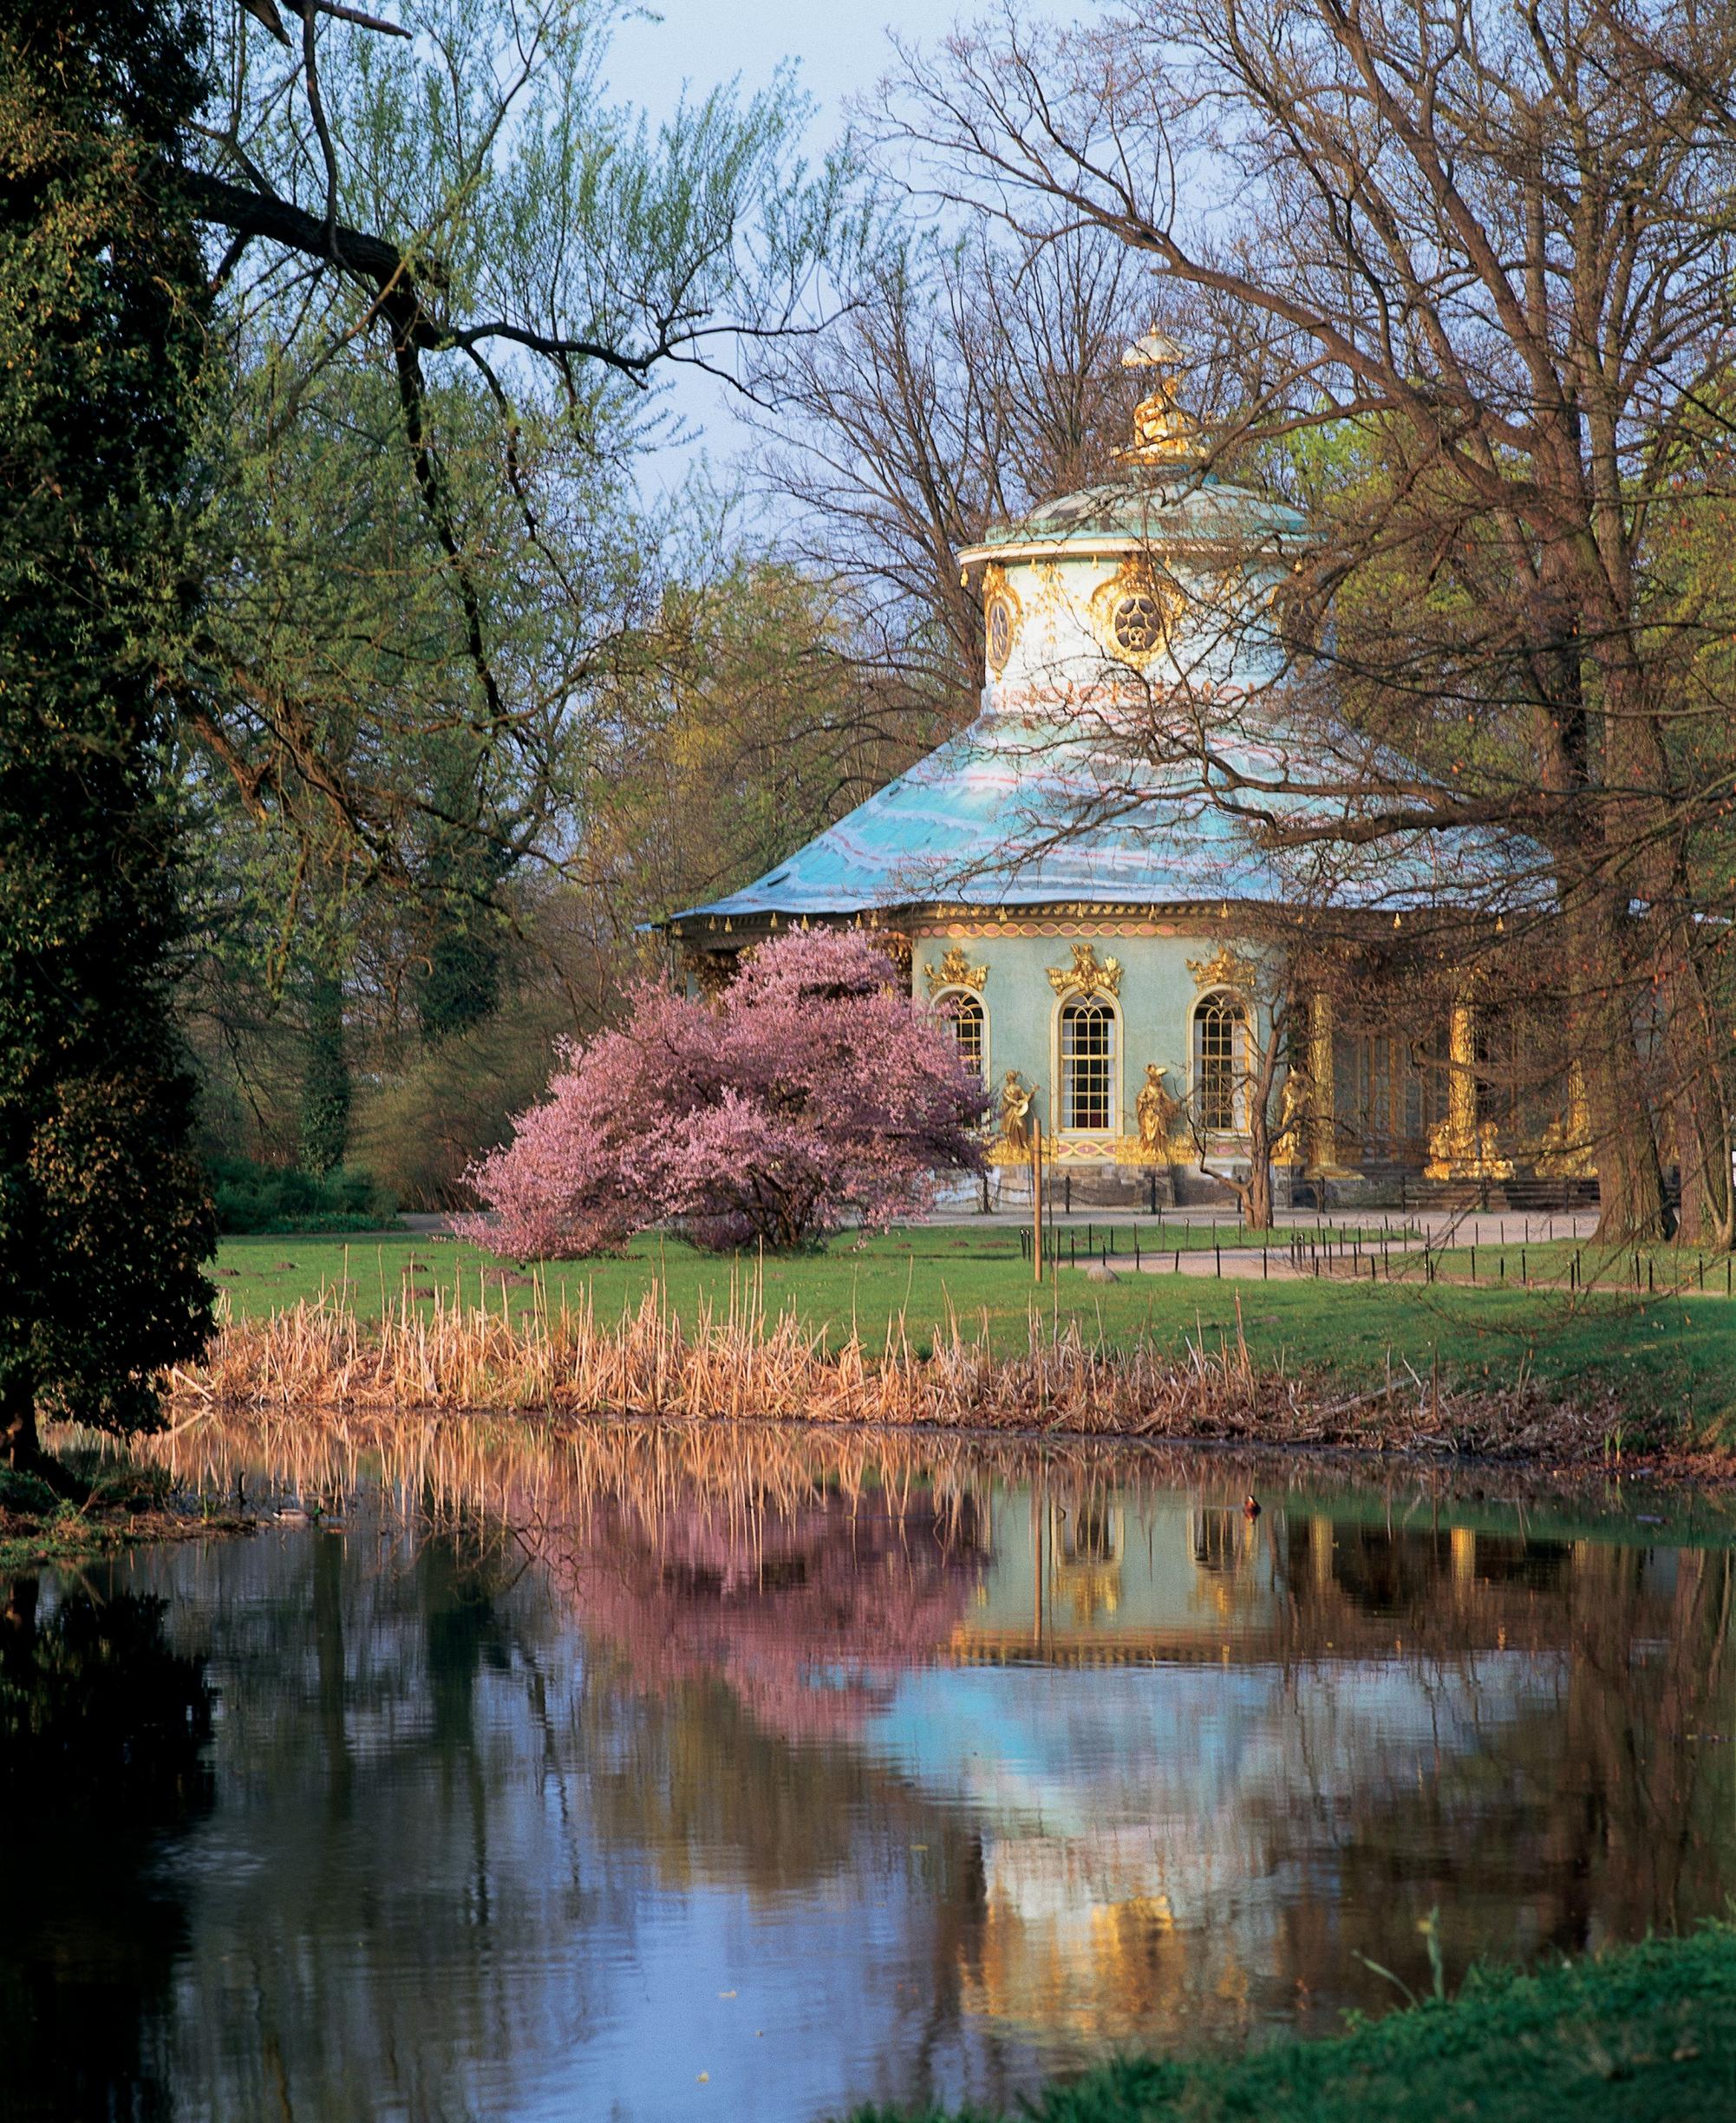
{"type": "Point", "coordinates": [842, 50]}
{"type": "Point", "coordinates": [840, 43]}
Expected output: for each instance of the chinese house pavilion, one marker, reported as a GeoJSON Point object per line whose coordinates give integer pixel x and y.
{"type": "Point", "coordinates": [1093, 918]}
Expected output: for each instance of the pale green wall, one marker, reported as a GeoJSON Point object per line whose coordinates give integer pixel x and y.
{"type": "Point", "coordinates": [1158, 1581]}
{"type": "Point", "coordinates": [1156, 998]}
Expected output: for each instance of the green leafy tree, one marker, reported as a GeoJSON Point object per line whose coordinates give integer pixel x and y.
{"type": "Point", "coordinates": [103, 1221]}
{"type": "Point", "coordinates": [449, 271]}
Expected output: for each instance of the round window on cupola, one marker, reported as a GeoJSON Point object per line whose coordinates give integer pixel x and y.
{"type": "Point", "coordinates": [1133, 613]}
{"type": "Point", "coordinates": [1137, 623]}
{"type": "Point", "coordinates": [1000, 621]}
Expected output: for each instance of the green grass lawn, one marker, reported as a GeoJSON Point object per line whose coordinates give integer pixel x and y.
{"type": "Point", "coordinates": [1646, 2034]}
{"type": "Point", "coordinates": [1621, 1271]}
{"type": "Point", "coordinates": [1658, 1352]}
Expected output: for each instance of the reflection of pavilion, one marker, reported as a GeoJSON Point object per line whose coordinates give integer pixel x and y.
{"type": "Point", "coordinates": [1278, 1704]}
{"type": "Point", "coordinates": [1106, 1579]}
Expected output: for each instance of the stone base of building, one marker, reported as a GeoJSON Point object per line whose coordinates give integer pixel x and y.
{"type": "Point", "coordinates": [1145, 1190]}
{"type": "Point", "coordinates": [1135, 1189]}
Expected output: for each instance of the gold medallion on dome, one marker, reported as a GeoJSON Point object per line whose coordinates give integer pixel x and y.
{"type": "Point", "coordinates": [1132, 614]}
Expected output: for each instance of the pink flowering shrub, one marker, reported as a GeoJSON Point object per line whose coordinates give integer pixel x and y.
{"type": "Point", "coordinates": [812, 1093]}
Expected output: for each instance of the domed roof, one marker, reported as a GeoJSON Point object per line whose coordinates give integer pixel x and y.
{"type": "Point", "coordinates": [1148, 509]}
{"type": "Point", "coordinates": [1049, 798]}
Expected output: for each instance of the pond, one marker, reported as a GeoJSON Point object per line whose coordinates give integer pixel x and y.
{"type": "Point", "coordinates": [613, 1771]}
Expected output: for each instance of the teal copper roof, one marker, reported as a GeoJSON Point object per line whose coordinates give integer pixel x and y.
{"type": "Point", "coordinates": [1045, 800]}
{"type": "Point", "coordinates": [1162, 510]}
{"type": "Point", "coordinates": [1023, 811]}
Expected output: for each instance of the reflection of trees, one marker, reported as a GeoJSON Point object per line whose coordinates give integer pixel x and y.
{"type": "Point", "coordinates": [805, 1569]}
{"type": "Point", "coordinates": [1595, 1804]}
{"type": "Point", "coordinates": [382, 1840]}
{"type": "Point", "coordinates": [1410, 1710]}
{"type": "Point", "coordinates": [103, 1727]}
{"type": "Point", "coordinates": [457, 1824]}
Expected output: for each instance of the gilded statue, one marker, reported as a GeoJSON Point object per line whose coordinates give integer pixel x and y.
{"type": "Point", "coordinates": [1015, 1112]}
{"type": "Point", "coordinates": [1295, 1103]}
{"type": "Point", "coordinates": [1162, 429]}
{"type": "Point", "coordinates": [1155, 1111]}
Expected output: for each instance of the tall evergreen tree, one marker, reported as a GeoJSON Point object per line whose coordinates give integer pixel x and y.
{"type": "Point", "coordinates": [325, 1079]}
{"type": "Point", "coordinates": [104, 1221]}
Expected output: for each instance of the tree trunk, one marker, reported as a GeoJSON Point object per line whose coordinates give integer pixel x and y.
{"type": "Point", "coordinates": [20, 1448]}
{"type": "Point", "coordinates": [1702, 1134]}
{"type": "Point", "coordinates": [325, 1082]}
{"type": "Point", "coordinates": [1258, 1197]}
{"type": "Point", "coordinates": [1604, 1042]}
{"type": "Point", "coordinates": [1630, 1180]}
{"type": "Point", "coordinates": [1699, 1106]}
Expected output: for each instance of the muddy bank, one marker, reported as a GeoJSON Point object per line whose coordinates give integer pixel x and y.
{"type": "Point", "coordinates": [112, 1504]}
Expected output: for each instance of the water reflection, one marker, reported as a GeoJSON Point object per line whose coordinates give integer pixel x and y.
{"type": "Point", "coordinates": [102, 1734]}
{"type": "Point", "coordinates": [582, 1763]}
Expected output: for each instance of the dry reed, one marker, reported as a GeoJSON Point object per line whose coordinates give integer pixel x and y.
{"type": "Point", "coordinates": [740, 1364]}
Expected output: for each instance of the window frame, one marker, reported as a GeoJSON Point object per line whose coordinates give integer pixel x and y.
{"type": "Point", "coordinates": [1233, 1009]}
{"type": "Point", "coordinates": [960, 994]}
{"type": "Point", "coordinates": [1063, 1101]}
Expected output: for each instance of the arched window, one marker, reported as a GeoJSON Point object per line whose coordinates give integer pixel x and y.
{"type": "Point", "coordinates": [1220, 1063]}
{"type": "Point", "coordinates": [968, 1024]}
{"type": "Point", "coordinates": [1088, 1065]}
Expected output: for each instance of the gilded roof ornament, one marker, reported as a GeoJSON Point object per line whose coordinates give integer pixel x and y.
{"type": "Point", "coordinates": [1164, 431]}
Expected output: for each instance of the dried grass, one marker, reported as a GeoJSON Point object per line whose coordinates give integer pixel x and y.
{"type": "Point", "coordinates": [739, 1364]}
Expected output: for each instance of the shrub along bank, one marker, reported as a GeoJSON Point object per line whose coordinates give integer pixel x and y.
{"type": "Point", "coordinates": [1642, 2034]}
{"type": "Point", "coordinates": [249, 1196]}
{"type": "Point", "coordinates": [92, 1508]}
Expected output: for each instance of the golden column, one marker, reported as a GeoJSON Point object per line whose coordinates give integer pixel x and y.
{"type": "Point", "coordinates": [1452, 1139]}
{"type": "Point", "coordinates": [1461, 1081]}
{"type": "Point", "coordinates": [1323, 1107]}
{"type": "Point", "coordinates": [1460, 1147]}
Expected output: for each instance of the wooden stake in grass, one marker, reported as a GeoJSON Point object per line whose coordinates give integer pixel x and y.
{"type": "Point", "coordinates": [1037, 1199]}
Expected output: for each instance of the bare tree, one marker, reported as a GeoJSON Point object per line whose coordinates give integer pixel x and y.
{"type": "Point", "coordinates": [1466, 275]}
{"type": "Point", "coordinates": [963, 380]}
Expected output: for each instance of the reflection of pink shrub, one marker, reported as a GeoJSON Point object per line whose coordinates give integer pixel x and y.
{"type": "Point", "coordinates": [808, 1615]}
{"type": "Point", "coordinates": [813, 1092]}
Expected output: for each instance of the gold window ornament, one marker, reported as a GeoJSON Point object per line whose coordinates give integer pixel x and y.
{"type": "Point", "coordinates": [1224, 968]}
{"type": "Point", "coordinates": [1138, 623]}
{"type": "Point", "coordinates": [1087, 974]}
{"type": "Point", "coordinates": [954, 970]}
{"type": "Point", "coordinates": [1000, 617]}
